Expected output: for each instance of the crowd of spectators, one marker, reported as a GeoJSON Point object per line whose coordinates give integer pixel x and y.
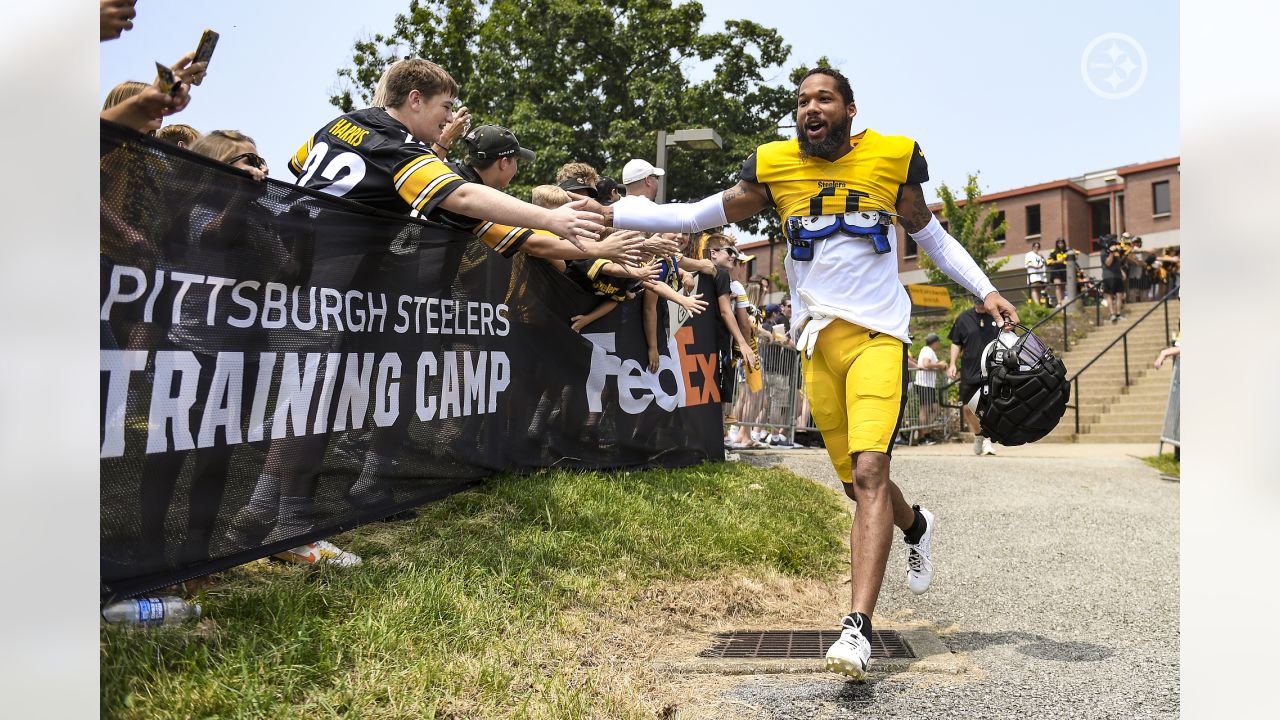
{"type": "Point", "coordinates": [413, 112]}
{"type": "Point", "coordinates": [1130, 273]}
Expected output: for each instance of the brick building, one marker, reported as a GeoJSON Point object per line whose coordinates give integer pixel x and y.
{"type": "Point", "coordinates": [1142, 199]}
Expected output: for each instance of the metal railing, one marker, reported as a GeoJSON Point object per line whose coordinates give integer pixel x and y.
{"type": "Point", "coordinates": [780, 406]}
{"type": "Point", "coordinates": [1123, 340]}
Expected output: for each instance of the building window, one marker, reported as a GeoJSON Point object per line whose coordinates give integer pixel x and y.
{"type": "Point", "coordinates": [1160, 198]}
{"type": "Point", "coordinates": [912, 248]}
{"type": "Point", "coordinates": [1100, 218]}
{"type": "Point", "coordinates": [997, 221]}
{"type": "Point", "coordinates": [1033, 221]}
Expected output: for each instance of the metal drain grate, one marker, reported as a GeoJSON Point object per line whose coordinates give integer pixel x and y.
{"type": "Point", "coordinates": [778, 644]}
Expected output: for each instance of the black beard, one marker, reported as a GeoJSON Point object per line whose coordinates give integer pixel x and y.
{"type": "Point", "coordinates": [828, 147]}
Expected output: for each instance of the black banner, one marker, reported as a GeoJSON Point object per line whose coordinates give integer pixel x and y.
{"type": "Point", "coordinates": [279, 365]}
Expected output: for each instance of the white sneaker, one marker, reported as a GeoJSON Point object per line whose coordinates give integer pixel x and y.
{"type": "Point", "coordinates": [987, 447]}
{"type": "Point", "coordinates": [919, 556]}
{"type": "Point", "coordinates": [849, 655]}
{"type": "Point", "coordinates": [978, 444]}
{"type": "Point", "coordinates": [321, 552]}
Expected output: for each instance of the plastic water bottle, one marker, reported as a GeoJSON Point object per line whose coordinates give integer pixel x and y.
{"type": "Point", "coordinates": [151, 611]}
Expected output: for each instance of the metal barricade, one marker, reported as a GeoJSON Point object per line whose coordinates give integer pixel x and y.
{"type": "Point", "coordinates": [1170, 432]}
{"type": "Point", "coordinates": [772, 408]}
{"type": "Point", "coordinates": [931, 411]}
{"type": "Point", "coordinates": [926, 414]}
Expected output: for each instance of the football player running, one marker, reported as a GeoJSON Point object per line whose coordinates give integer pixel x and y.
{"type": "Point", "coordinates": [838, 197]}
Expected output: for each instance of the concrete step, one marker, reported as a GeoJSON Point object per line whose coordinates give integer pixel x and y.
{"type": "Point", "coordinates": [1141, 355]}
{"type": "Point", "coordinates": [1065, 432]}
{"type": "Point", "coordinates": [1066, 429]}
{"type": "Point", "coordinates": [1142, 428]}
{"type": "Point", "coordinates": [1130, 404]}
{"type": "Point", "coordinates": [1093, 408]}
{"type": "Point", "coordinates": [1150, 327]}
{"type": "Point", "coordinates": [1104, 376]}
{"type": "Point", "coordinates": [1156, 319]}
{"type": "Point", "coordinates": [1093, 344]}
{"type": "Point", "coordinates": [1122, 414]}
{"type": "Point", "coordinates": [1147, 391]}
{"type": "Point", "coordinates": [1138, 348]}
{"type": "Point", "coordinates": [1097, 340]}
{"type": "Point", "coordinates": [1131, 438]}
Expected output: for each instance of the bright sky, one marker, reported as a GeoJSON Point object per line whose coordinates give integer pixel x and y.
{"type": "Point", "coordinates": [995, 86]}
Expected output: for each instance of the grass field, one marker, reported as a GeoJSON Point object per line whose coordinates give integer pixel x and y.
{"type": "Point", "coordinates": [1166, 464]}
{"type": "Point", "coordinates": [488, 604]}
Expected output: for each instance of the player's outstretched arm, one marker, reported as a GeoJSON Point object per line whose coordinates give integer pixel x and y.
{"type": "Point", "coordinates": [744, 200]}
{"type": "Point", "coordinates": [733, 205]}
{"type": "Point", "coordinates": [568, 221]}
{"type": "Point", "coordinates": [948, 254]}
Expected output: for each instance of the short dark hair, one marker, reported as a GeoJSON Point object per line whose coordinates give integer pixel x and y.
{"type": "Point", "coordinates": [606, 186]}
{"type": "Point", "coordinates": [842, 82]}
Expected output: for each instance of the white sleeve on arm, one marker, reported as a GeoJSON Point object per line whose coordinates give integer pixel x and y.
{"type": "Point", "coordinates": [952, 259]}
{"type": "Point", "coordinates": [673, 217]}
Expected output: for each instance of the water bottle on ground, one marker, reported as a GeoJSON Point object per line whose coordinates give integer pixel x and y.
{"type": "Point", "coordinates": [150, 611]}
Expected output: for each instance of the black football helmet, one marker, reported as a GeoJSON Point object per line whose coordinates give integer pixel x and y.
{"type": "Point", "coordinates": [1024, 390]}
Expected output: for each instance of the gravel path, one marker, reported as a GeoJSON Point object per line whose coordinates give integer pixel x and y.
{"type": "Point", "coordinates": [1056, 577]}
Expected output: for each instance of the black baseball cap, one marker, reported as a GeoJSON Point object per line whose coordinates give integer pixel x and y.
{"type": "Point", "coordinates": [491, 142]}
{"type": "Point", "coordinates": [580, 187]}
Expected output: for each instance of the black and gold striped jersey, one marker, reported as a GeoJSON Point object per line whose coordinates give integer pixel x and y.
{"type": "Point", "coordinates": [506, 239]}
{"type": "Point", "coordinates": [371, 158]}
{"type": "Point", "coordinates": [590, 276]}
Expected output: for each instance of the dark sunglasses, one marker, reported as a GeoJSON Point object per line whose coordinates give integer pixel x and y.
{"type": "Point", "coordinates": [253, 159]}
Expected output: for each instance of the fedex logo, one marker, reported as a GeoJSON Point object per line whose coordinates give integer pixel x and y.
{"type": "Point", "coordinates": [637, 387]}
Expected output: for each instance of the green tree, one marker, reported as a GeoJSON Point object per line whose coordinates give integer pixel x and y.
{"type": "Point", "coordinates": [593, 80]}
{"type": "Point", "coordinates": [974, 225]}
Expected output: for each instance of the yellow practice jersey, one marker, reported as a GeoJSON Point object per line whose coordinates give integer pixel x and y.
{"type": "Point", "coordinates": [868, 177]}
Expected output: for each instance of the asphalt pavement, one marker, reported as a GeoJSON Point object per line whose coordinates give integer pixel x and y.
{"type": "Point", "coordinates": [1056, 582]}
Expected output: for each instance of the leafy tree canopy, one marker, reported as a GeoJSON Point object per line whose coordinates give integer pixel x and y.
{"type": "Point", "coordinates": [593, 80]}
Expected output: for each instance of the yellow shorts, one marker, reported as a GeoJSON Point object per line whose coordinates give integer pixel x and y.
{"type": "Point", "coordinates": [856, 382]}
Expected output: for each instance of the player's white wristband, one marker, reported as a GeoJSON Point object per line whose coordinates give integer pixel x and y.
{"type": "Point", "coordinates": [673, 217]}
{"type": "Point", "coordinates": [951, 258]}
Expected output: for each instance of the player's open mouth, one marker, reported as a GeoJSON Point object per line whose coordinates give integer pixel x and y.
{"type": "Point", "coordinates": [814, 129]}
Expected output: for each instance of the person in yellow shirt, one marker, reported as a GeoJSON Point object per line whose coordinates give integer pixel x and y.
{"type": "Point", "coordinates": [839, 196]}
